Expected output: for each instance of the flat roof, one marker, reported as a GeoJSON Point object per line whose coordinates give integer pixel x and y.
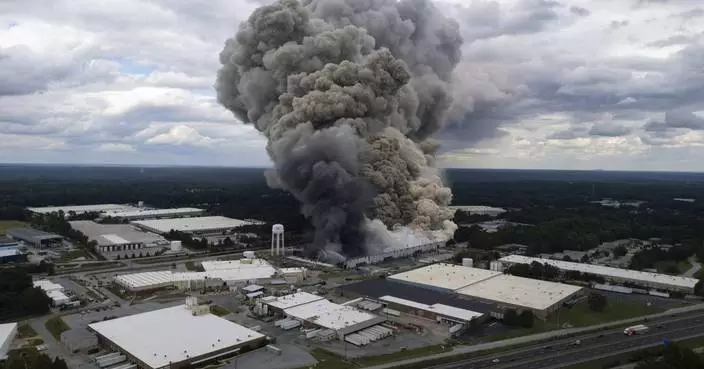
{"type": "Point", "coordinates": [213, 265]}
{"type": "Point", "coordinates": [478, 208]}
{"type": "Point", "coordinates": [519, 291]}
{"type": "Point", "coordinates": [194, 224]}
{"type": "Point", "coordinates": [163, 278]}
{"type": "Point", "coordinates": [329, 315]}
{"type": "Point", "coordinates": [446, 276]}
{"type": "Point", "coordinates": [634, 275]}
{"type": "Point", "coordinates": [174, 334]}
{"type": "Point", "coordinates": [7, 252]}
{"type": "Point", "coordinates": [115, 234]}
{"type": "Point", "coordinates": [296, 299]}
{"type": "Point", "coordinates": [446, 310]}
{"type": "Point", "coordinates": [6, 333]}
{"type": "Point", "coordinates": [4, 240]}
{"type": "Point", "coordinates": [31, 233]}
{"type": "Point", "coordinates": [47, 285]}
{"type": "Point", "coordinates": [79, 209]}
{"type": "Point", "coordinates": [152, 212]}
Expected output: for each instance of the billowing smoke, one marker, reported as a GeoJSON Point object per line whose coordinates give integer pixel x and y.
{"type": "Point", "coordinates": [349, 93]}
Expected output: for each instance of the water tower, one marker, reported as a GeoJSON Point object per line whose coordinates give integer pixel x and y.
{"type": "Point", "coordinates": [277, 239]}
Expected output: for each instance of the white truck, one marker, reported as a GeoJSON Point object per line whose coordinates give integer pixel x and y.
{"type": "Point", "coordinates": [636, 329]}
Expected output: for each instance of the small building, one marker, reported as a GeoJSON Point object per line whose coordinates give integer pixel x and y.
{"type": "Point", "coordinates": [7, 242]}
{"type": "Point", "coordinates": [54, 291]}
{"type": "Point", "coordinates": [177, 337]}
{"type": "Point", "coordinates": [7, 335]}
{"type": "Point", "coordinates": [12, 255]}
{"type": "Point", "coordinates": [35, 238]}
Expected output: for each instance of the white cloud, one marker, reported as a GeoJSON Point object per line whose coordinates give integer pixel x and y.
{"type": "Point", "coordinates": [567, 84]}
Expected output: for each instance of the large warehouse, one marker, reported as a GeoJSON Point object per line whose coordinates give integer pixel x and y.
{"type": "Point", "coordinates": [232, 273]}
{"type": "Point", "coordinates": [82, 209]}
{"type": "Point", "coordinates": [315, 311]}
{"type": "Point", "coordinates": [616, 275]}
{"type": "Point", "coordinates": [146, 214]}
{"type": "Point", "coordinates": [34, 237]}
{"type": "Point", "coordinates": [8, 332]}
{"type": "Point", "coordinates": [176, 337]}
{"type": "Point", "coordinates": [194, 226]}
{"type": "Point", "coordinates": [120, 240]}
{"type": "Point", "coordinates": [491, 287]}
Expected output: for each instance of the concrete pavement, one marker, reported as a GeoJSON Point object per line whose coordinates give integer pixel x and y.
{"type": "Point", "coordinates": [55, 348]}
{"type": "Point", "coordinates": [696, 266]}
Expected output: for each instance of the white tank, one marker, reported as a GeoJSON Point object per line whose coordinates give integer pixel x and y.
{"type": "Point", "coordinates": [277, 229]}
{"type": "Point", "coordinates": [140, 204]}
{"type": "Point", "coordinates": [176, 246]}
{"type": "Point", "coordinates": [249, 255]}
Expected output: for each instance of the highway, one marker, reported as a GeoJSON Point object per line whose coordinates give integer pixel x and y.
{"type": "Point", "coordinates": [564, 352]}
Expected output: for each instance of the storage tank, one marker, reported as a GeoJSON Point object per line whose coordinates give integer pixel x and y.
{"type": "Point", "coordinates": [140, 204]}
{"type": "Point", "coordinates": [176, 246]}
{"type": "Point", "coordinates": [249, 255]}
{"type": "Point", "coordinates": [468, 262]}
{"type": "Point", "coordinates": [496, 266]}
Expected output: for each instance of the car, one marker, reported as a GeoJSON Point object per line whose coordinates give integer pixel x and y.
{"type": "Point", "coordinates": [495, 361]}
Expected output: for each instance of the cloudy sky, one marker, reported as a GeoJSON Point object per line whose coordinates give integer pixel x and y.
{"type": "Point", "coordinates": [568, 84]}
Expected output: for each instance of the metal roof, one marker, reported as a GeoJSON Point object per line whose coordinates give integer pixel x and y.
{"type": "Point", "coordinates": [440, 309]}
{"type": "Point", "coordinates": [445, 276]}
{"type": "Point", "coordinates": [31, 234]}
{"type": "Point", "coordinates": [172, 335]}
{"type": "Point", "coordinates": [194, 224]}
{"type": "Point", "coordinates": [152, 212]}
{"type": "Point", "coordinates": [79, 209]}
{"type": "Point", "coordinates": [633, 275]}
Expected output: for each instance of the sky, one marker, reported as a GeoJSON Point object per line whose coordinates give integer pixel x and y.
{"type": "Point", "coordinates": [565, 84]}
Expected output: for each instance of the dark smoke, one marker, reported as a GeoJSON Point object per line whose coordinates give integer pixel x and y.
{"type": "Point", "coordinates": [348, 93]}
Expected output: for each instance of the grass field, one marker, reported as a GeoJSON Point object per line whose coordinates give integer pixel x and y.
{"type": "Point", "coordinates": [7, 224]}
{"type": "Point", "coordinates": [25, 331]}
{"type": "Point", "coordinates": [580, 315]}
{"type": "Point", "coordinates": [219, 310]}
{"type": "Point", "coordinates": [56, 326]}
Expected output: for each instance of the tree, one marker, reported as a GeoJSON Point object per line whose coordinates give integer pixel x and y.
{"type": "Point", "coordinates": [511, 318]}
{"type": "Point", "coordinates": [597, 301]}
{"type": "Point", "coordinates": [620, 251]}
{"type": "Point", "coordinates": [59, 363]}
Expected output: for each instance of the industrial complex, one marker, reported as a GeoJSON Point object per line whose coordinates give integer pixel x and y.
{"type": "Point", "coordinates": [616, 275]}
{"type": "Point", "coordinates": [83, 209]}
{"type": "Point", "coordinates": [120, 240]}
{"type": "Point", "coordinates": [174, 337]}
{"type": "Point", "coordinates": [34, 237]}
{"type": "Point", "coordinates": [146, 214]}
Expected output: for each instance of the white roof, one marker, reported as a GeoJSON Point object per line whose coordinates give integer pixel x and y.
{"type": "Point", "coordinates": [57, 296]}
{"type": "Point", "coordinates": [525, 292]}
{"type": "Point", "coordinates": [329, 315]}
{"type": "Point", "coordinates": [211, 265]}
{"type": "Point", "coordinates": [6, 332]}
{"type": "Point", "coordinates": [146, 279]}
{"type": "Point", "coordinates": [194, 224]}
{"type": "Point", "coordinates": [446, 310]}
{"type": "Point", "coordinates": [115, 239]}
{"type": "Point", "coordinates": [47, 285]}
{"type": "Point", "coordinates": [296, 299]}
{"type": "Point", "coordinates": [5, 252]}
{"type": "Point", "coordinates": [294, 270]}
{"type": "Point", "coordinates": [253, 288]}
{"type": "Point", "coordinates": [164, 278]}
{"type": "Point", "coordinates": [478, 208]}
{"type": "Point", "coordinates": [79, 209]}
{"type": "Point", "coordinates": [447, 276]}
{"type": "Point", "coordinates": [634, 275]}
{"type": "Point", "coordinates": [153, 212]}
{"type": "Point", "coordinates": [173, 334]}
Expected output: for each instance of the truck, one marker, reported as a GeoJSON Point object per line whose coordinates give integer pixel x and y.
{"type": "Point", "coordinates": [636, 329]}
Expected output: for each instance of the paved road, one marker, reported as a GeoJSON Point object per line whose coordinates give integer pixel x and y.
{"type": "Point", "coordinates": [695, 267]}
{"type": "Point", "coordinates": [54, 348]}
{"type": "Point", "coordinates": [553, 355]}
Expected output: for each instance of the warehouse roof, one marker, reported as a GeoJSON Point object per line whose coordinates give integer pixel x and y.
{"type": "Point", "coordinates": [195, 224]}
{"type": "Point", "coordinates": [4, 240]}
{"type": "Point", "coordinates": [115, 234]}
{"type": "Point", "coordinates": [164, 278]}
{"type": "Point", "coordinates": [446, 276]}
{"type": "Point", "coordinates": [7, 333]}
{"type": "Point", "coordinates": [329, 315]}
{"type": "Point", "coordinates": [7, 252]}
{"type": "Point", "coordinates": [634, 275]}
{"type": "Point", "coordinates": [152, 212]}
{"type": "Point", "coordinates": [145, 279]}
{"type": "Point", "coordinates": [440, 309]}
{"type": "Point", "coordinates": [174, 334]}
{"type": "Point", "coordinates": [31, 233]}
{"type": "Point", "coordinates": [519, 291]}
{"type": "Point", "coordinates": [212, 265]}
{"type": "Point", "coordinates": [47, 285]}
{"type": "Point", "coordinates": [296, 299]}
{"type": "Point", "coordinates": [79, 209]}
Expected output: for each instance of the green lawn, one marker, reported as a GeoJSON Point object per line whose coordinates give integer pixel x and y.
{"type": "Point", "coordinates": [673, 267]}
{"type": "Point", "coordinates": [25, 331]}
{"type": "Point", "coordinates": [35, 341]}
{"type": "Point", "coordinates": [401, 355]}
{"type": "Point", "coordinates": [7, 224]}
{"type": "Point", "coordinates": [580, 315]}
{"type": "Point", "coordinates": [56, 326]}
{"type": "Point", "coordinates": [219, 310]}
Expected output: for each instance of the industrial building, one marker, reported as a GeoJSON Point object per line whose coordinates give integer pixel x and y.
{"type": "Point", "coordinates": [491, 287]}
{"type": "Point", "coordinates": [480, 210]}
{"type": "Point", "coordinates": [8, 332]}
{"type": "Point", "coordinates": [147, 214]}
{"type": "Point", "coordinates": [614, 275]}
{"type": "Point", "coordinates": [314, 311]}
{"type": "Point", "coordinates": [177, 337]}
{"type": "Point", "coordinates": [7, 242]}
{"type": "Point", "coordinates": [194, 226]}
{"type": "Point", "coordinates": [82, 209]}
{"type": "Point", "coordinates": [34, 237]}
{"type": "Point", "coordinates": [54, 291]}
{"type": "Point", "coordinates": [12, 255]}
{"type": "Point", "coordinates": [232, 273]}
{"type": "Point", "coordinates": [120, 240]}
{"type": "Point", "coordinates": [441, 313]}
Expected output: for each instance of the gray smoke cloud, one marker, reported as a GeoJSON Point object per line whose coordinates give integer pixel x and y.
{"type": "Point", "coordinates": [349, 93]}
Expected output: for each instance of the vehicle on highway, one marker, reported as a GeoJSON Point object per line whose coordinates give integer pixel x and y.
{"type": "Point", "coordinates": [495, 361]}
{"type": "Point", "coordinates": [636, 329]}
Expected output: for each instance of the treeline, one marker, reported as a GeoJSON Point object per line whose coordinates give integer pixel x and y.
{"type": "Point", "coordinates": [32, 359]}
{"type": "Point", "coordinates": [548, 272]}
{"type": "Point", "coordinates": [18, 296]}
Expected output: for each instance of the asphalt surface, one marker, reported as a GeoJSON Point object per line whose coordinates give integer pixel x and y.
{"type": "Point", "coordinates": [564, 352]}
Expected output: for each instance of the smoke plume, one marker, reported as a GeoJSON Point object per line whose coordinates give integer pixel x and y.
{"type": "Point", "coordinates": [349, 93]}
